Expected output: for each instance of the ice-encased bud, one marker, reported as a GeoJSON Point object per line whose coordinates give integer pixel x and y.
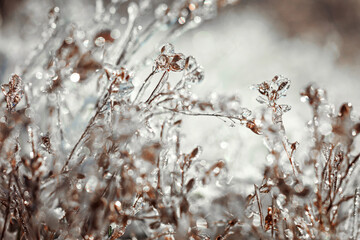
{"type": "Point", "coordinates": [177, 63]}
{"type": "Point", "coordinates": [193, 72]}
{"type": "Point", "coordinates": [161, 63]}
{"type": "Point", "coordinates": [13, 91]}
{"type": "Point", "coordinates": [168, 49]}
{"type": "Point", "coordinates": [121, 78]}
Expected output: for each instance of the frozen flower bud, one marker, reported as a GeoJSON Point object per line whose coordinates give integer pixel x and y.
{"type": "Point", "coordinates": [177, 63]}
{"type": "Point", "coordinates": [13, 91]}
{"type": "Point", "coordinates": [168, 49]}
{"type": "Point", "coordinates": [190, 64]}
{"type": "Point", "coordinates": [193, 72]}
{"type": "Point", "coordinates": [162, 63]}
{"type": "Point", "coordinates": [166, 60]}
{"type": "Point", "coordinates": [282, 84]}
{"type": "Point", "coordinates": [272, 90]}
{"type": "Point", "coordinates": [121, 78]}
{"type": "Point", "coordinates": [314, 95]}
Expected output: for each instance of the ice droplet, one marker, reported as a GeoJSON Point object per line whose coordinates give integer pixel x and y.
{"type": "Point", "coordinates": [355, 130]}
{"type": "Point", "coordinates": [304, 99]}
{"type": "Point", "coordinates": [197, 19]}
{"type": "Point", "coordinates": [216, 170]}
{"type": "Point", "coordinates": [224, 144]}
{"type": "Point", "coordinates": [100, 41]}
{"type": "Point", "coordinates": [161, 10]}
{"type": "Point", "coordinates": [168, 49]}
{"type": "Point", "coordinates": [39, 75]}
{"type": "Point", "coordinates": [115, 33]}
{"type": "Point", "coordinates": [256, 220]}
{"type": "Point", "coordinates": [54, 14]}
{"type": "Point", "coordinates": [78, 185]}
{"type": "Point", "coordinates": [181, 20]}
{"type": "Point", "coordinates": [60, 213]}
{"type": "Point", "coordinates": [118, 206]}
{"type": "Point", "coordinates": [75, 77]}
{"type": "Point", "coordinates": [133, 10]}
{"type": "Point", "coordinates": [123, 20]}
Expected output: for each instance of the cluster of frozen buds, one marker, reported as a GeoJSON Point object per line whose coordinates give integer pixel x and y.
{"type": "Point", "coordinates": [271, 91]}
{"type": "Point", "coordinates": [13, 91]}
{"type": "Point", "coordinates": [168, 60]}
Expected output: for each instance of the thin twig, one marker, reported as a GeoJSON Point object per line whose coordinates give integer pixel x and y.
{"type": "Point", "coordinates": [289, 157]}
{"type": "Point", "coordinates": [207, 115]}
{"type": "Point", "coordinates": [7, 211]}
{"type": "Point", "coordinates": [259, 205]}
{"type": "Point", "coordinates": [158, 86]}
{"type": "Point", "coordinates": [143, 86]}
{"type": "Point", "coordinates": [92, 120]}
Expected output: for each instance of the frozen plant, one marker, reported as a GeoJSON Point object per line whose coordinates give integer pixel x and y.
{"type": "Point", "coordinates": [320, 199]}
{"type": "Point", "coordinates": [86, 154]}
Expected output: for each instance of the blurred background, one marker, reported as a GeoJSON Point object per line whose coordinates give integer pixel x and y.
{"type": "Point", "coordinates": [308, 41]}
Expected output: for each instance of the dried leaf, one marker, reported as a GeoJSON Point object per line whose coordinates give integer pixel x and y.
{"type": "Point", "coordinates": [190, 184]}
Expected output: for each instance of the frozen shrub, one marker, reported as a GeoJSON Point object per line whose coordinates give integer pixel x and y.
{"type": "Point", "coordinates": [84, 153]}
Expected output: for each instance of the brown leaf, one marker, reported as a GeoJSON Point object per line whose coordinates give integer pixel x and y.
{"type": "Point", "coordinates": [80, 176]}
{"type": "Point", "coordinates": [190, 184]}
{"type": "Point", "coordinates": [345, 110]}
{"type": "Point", "coordinates": [253, 127]}
{"type": "Point", "coordinates": [106, 34]}
{"type": "Point", "coordinates": [356, 129]}
{"type": "Point", "coordinates": [151, 153]}
{"type": "Point", "coordinates": [85, 65]}
{"type": "Point", "coordinates": [67, 51]}
{"type": "Point", "coordinates": [184, 206]}
{"type": "Point", "coordinates": [155, 225]}
{"type": "Point", "coordinates": [194, 153]}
